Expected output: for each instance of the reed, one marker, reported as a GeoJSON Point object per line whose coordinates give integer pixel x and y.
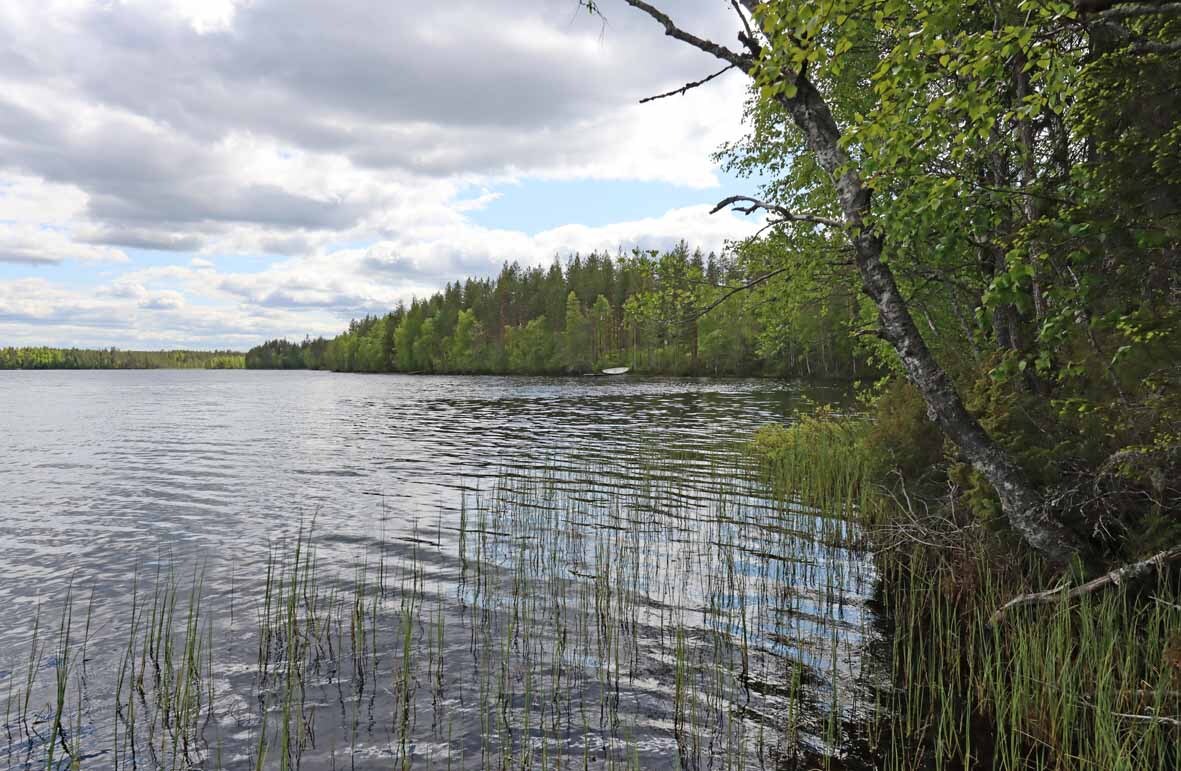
{"type": "Point", "coordinates": [591, 616]}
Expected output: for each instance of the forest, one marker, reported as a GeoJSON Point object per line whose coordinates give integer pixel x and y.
{"type": "Point", "coordinates": [677, 312]}
{"type": "Point", "coordinates": [112, 358]}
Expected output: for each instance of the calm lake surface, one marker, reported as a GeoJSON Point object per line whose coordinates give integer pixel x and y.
{"type": "Point", "coordinates": [551, 572]}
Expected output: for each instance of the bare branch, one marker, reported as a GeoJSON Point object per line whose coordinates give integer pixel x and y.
{"type": "Point", "coordinates": [783, 213]}
{"type": "Point", "coordinates": [747, 38]}
{"type": "Point", "coordinates": [708, 46]}
{"type": "Point", "coordinates": [681, 91]}
{"type": "Point", "coordinates": [733, 291]}
{"type": "Point", "coordinates": [1133, 570]}
{"type": "Point", "coordinates": [1155, 47]}
{"type": "Point", "coordinates": [1150, 718]}
{"type": "Point", "coordinates": [1133, 10]}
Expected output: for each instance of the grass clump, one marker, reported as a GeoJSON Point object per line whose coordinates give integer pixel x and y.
{"type": "Point", "coordinates": [1090, 682]}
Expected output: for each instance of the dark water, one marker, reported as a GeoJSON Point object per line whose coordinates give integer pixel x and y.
{"type": "Point", "coordinates": [651, 555]}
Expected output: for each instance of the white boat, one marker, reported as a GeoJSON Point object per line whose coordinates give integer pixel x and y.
{"type": "Point", "coordinates": [616, 371]}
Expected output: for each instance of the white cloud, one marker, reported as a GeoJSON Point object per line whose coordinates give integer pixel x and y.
{"type": "Point", "coordinates": [33, 245]}
{"type": "Point", "coordinates": [314, 294]}
{"type": "Point", "coordinates": [260, 142]}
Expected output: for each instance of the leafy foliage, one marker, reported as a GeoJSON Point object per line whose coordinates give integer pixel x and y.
{"type": "Point", "coordinates": [1026, 185]}
{"type": "Point", "coordinates": [113, 358]}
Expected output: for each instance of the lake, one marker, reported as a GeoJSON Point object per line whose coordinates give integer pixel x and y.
{"type": "Point", "coordinates": [413, 571]}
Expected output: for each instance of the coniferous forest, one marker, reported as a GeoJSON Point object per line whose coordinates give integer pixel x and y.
{"type": "Point", "coordinates": [678, 312]}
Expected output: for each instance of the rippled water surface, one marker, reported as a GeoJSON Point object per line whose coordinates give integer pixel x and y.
{"type": "Point", "coordinates": [508, 572]}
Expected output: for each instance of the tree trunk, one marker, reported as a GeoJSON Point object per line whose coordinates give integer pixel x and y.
{"type": "Point", "coordinates": [1022, 504]}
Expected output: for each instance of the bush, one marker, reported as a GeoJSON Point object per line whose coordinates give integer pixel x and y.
{"type": "Point", "coordinates": [901, 439]}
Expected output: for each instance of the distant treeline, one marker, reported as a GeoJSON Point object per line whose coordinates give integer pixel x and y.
{"type": "Point", "coordinates": [646, 310]}
{"type": "Point", "coordinates": [113, 358]}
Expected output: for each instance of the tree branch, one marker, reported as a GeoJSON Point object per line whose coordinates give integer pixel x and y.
{"type": "Point", "coordinates": [681, 91]}
{"type": "Point", "coordinates": [1118, 576]}
{"type": "Point", "coordinates": [701, 44]}
{"type": "Point", "coordinates": [1155, 47]}
{"type": "Point", "coordinates": [733, 291]}
{"type": "Point", "coordinates": [749, 40]}
{"type": "Point", "coordinates": [1133, 10]}
{"type": "Point", "coordinates": [1098, 6]}
{"type": "Point", "coordinates": [784, 214]}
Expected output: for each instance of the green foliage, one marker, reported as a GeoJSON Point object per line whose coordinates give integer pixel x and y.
{"type": "Point", "coordinates": [113, 358]}
{"type": "Point", "coordinates": [577, 347]}
{"type": "Point", "coordinates": [645, 310]}
{"type": "Point", "coordinates": [531, 347]}
{"type": "Point", "coordinates": [902, 440]}
{"type": "Point", "coordinates": [1026, 184]}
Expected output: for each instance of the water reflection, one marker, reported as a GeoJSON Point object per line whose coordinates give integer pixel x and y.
{"type": "Point", "coordinates": [595, 541]}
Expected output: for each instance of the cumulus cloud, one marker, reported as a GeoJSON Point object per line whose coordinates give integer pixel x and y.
{"type": "Point", "coordinates": [324, 153]}
{"type": "Point", "coordinates": [34, 245]}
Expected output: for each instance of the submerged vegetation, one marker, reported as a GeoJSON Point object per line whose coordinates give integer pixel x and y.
{"type": "Point", "coordinates": [562, 624]}
{"type": "Point", "coordinates": [113, 358]}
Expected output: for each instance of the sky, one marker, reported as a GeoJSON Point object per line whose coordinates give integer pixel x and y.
{"type": "Point", "coordinates": [214, 173]}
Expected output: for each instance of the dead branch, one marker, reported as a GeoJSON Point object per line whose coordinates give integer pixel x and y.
{"type": "Point", "coordinates": [1115, 577]}
{"type": "Point", "coordinates": [784, 214]}
{"type": "Point", "coordinates": [733, 291]}
{"type": "Point", "coordinates": [1098, 6]}
{"type": "Point", "coordinates": [750, 35]}
{"type": "Point", "coordinates": [683, 89]}
{"type": "Point", "coordinates": [1150, 718]}
{"type": "Point", "coordinates": [1133, 10]}
{"type": "Point", "coordinates": [702, 44]}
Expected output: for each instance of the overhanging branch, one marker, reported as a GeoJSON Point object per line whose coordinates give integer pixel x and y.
{"type": "Point", "coordinates": [702, 44]}
{"type": "Point", "coordinates": [733, 291]}
{"type": "Point", "coordinates": [681, 91]}
{"type": "Point", "coordinates": [784, 214]}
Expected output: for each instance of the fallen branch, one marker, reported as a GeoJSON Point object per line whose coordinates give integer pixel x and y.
{"type": "Point", "coordinates": [1116, 577]}
{"type": "Point", "coordinates": [1151, 718]}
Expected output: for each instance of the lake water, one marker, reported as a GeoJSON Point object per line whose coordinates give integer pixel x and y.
{"type": "Point", "coordinates": [508, 571]}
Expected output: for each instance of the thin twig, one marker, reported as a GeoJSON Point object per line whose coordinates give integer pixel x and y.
{"type": "Point", "coordinates": [683, 89]}
{"type": "Point", "coordinates": [733, 291]}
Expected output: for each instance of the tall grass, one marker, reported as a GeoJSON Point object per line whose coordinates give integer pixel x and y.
{"type": "Point", "coordinates": [576, 617]}
{"type": "Point", "coordinates": [673, 614]}
{"type": "Point", "coordinates": [1093, 683]}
